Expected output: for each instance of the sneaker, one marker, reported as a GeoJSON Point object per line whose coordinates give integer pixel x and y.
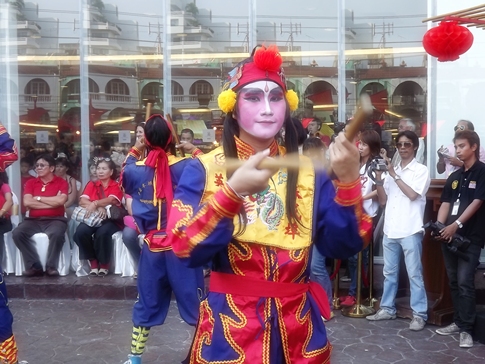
{"type": "Point", "coordinates": [448, 330]}
{"type": "Point", "coordinates": [347, 301]}
{"type": "Point", "coordinates": [417, 324]}
{"type": "Point", "coordinates": [466, 340]}
{"type": "Point", "coordinates": [345, 279]}
{"type": "Point", "coordinates": [381, 315]}
{"type": "Point", "coordinates": [133, 359]}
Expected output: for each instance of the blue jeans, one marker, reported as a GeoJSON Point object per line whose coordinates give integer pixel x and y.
{"type": "Point", "coordinates": [130, 239]}
{"type": "Point", "coordinates": [461, 275]}
{"type": "Point", "coordinates": [319, 273]}
{"type": "Point", "coordinates": [352, 264]}
{"type": "Point", "coordinates": [412, 248]}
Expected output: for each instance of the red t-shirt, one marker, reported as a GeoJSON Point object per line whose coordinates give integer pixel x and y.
{"type": "Point", "coordinates": [92, 191]}
{"type": "Point", "coordinates": [34, 187]}
{"type": "Point", "coordinates": [23, 181]}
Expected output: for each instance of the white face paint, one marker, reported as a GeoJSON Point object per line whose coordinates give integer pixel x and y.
{"type": "Point", "coordinates": [261, 111]}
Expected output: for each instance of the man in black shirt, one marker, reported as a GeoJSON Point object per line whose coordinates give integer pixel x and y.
{"type": "Point", "coordinates": [463, 212]}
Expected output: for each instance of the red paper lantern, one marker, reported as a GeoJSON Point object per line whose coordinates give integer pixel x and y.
{"type": "Point", "coordinates": [447, 41]}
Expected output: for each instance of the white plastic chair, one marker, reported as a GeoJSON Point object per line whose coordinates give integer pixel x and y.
{"type": "Point", "coordinates": [123, 263]}
{"type": "Point", "coordinates": [41, 242]}
{"type": "Point", "coordinates": [10, 251]}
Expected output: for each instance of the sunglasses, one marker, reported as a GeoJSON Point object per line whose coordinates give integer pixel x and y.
{"type": "Point", "coordinates": [404, 144]}
{"type": "Point", "coordinates": [41, 165]}
{"type": "Point", "coordinates": [97, 160]}
{"type": "Point", "coordinates": [459, 127]}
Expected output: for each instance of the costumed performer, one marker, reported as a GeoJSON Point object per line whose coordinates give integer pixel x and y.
{"type": "Point", "coordinates": [150, 183]}
{"type": "Point", "coordinates": [256, 226]}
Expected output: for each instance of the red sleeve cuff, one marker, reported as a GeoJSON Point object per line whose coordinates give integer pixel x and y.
{"type": "Point", "coordinates": [348, 194]}
{"type": "Point", "coordinates": [135, 152]}
{"type": "Point", "coordinates": [196, 153]}
{"type": "Point", "coordinates": [226, 202]}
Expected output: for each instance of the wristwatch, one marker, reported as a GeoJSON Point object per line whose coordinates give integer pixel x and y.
{"type": "Point", "coordinates": [396, 178]}
{"type": "Point", "coordinates": [458, 222]}
{"type": "Point", "coordinates": [38, 198]}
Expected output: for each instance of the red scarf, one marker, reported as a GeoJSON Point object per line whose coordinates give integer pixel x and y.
{"type": "Point", "coordinates": [162, 182]}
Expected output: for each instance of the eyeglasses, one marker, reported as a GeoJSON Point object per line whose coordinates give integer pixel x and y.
{"type": "Point", "coordinates": [404, 144]}
{"type": "Point", "coordinates": [459, 127]}
{"type": "Point", "coordinates": [40, 165]}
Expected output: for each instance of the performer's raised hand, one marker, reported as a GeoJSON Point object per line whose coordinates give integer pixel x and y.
{"type": "Point", "coordinates": [249, 179]}
{"type": "Point", "coordinates": [344, 159]}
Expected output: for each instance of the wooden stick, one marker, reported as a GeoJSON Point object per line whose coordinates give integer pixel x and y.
{"type": "Point", "coordinates": [148, 111]}
{"type": "Point", "coordinates": [174, 134]}
{"type": "Point", "coordinates": [365, 109]}
{"type": "Point", "coordinates": [290, 162]}
{"type": "Point", "coordinates": [440, 17]}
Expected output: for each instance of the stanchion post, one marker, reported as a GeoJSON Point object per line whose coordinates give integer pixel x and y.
{"type": "Point", "coordinates": [358, 309]}
{"type": "Point", "coordinates": [336, 299]}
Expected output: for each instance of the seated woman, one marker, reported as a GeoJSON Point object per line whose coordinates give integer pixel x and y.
{"type": "Point", "coordinates": [95, 243]}
{"type": "Point", "coordinates": [62, 167]}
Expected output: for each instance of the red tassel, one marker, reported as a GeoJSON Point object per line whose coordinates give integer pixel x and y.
{"type": "Point", "coordinates": [268, 59]}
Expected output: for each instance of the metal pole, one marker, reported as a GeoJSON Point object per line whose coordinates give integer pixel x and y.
{"type": "Point", "coordinates": [84, 83]}
{"type": "Point", "coordinates": [341, 62]}
{"type": "Point", "coordinates": [9, 86]}
{"type": "Point", "coordinates": [253, 31]}
{"type": "Point", "coordinates": [167, 61]}
{"type": "Point", "coordinates": [336, 299]}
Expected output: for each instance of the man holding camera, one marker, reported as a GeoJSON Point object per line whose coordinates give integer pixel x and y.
{"type": "Point", "coordinates": [404, 194]}
{"type": "Point", "coordinates": [463, 212]}
{"type": "Point", "coordinates": [447, 160]}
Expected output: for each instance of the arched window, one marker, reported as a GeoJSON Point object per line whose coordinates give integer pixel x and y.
{"type": "Point", "coordinates": [177, 92]}
{"type": "Point", "coordinates": [152, 92]}
{"type": "Point", "coordinates": [117, 90]}
{"type": "Point", "coordinates": [72, 90]}
{"type": "Point", "coordinates": [37, 89]}
{"type": "Point", "coordinates": [201, 87]}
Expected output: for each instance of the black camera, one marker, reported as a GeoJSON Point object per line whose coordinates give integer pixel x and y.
{"type": "Point", "coordinates": [377, 164]}
{"type": "Point", "coordinates": [458, 244]}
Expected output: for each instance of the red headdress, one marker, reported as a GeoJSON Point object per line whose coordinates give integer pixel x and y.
{"type": "Point", "coordinates": [264, 65]}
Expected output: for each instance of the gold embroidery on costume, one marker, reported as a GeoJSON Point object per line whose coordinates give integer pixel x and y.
{"type": "Point", "coordinates": [266, 210]}
{"type": "Point", "coordinates": [228, 323]}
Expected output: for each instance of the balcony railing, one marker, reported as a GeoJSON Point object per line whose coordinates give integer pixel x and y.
{"type": "Point", "coordinates": [189, 98]}
{"type": "Point", "coordinates": [29, 25]}
{"type": "Point", "coordinates": [39, 98]}
{"type": "Point", "coordinates": [417, 100]}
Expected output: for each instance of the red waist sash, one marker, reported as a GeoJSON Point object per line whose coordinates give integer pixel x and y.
{"type": "Point", "coordinates": [245, 286]}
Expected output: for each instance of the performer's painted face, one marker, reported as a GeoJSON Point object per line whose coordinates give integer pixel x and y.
{"type": "Point", "coordinates": [261, 110]}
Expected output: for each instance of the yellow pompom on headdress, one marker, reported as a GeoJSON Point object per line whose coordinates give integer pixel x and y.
{"type": "Point", "coordinates": [265, 64]}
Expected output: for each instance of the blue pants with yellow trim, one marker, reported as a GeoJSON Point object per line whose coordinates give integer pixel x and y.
{"type": "Point", "coordinates": [160, 274]}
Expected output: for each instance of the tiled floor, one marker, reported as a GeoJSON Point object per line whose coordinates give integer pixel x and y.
{"type": "Point", "coordinates": [94, 332]}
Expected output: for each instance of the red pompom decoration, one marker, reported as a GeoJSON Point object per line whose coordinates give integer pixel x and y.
{"type": "Point", "coordinates": [447, 41]}
{"type": "Point", "coordinates": [268, 59]}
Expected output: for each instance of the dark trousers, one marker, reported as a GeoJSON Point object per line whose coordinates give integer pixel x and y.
{"type": "Point", "coordinates": [5, 226]}
{"type": "Point", "coordinates": [54, 228]}
{"type": "Point", "coordinates": [461, 275]}
{"type": "Point", "coordinates": [99, 246]}
{"type": "Point", "coordinates": [130, 239]}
